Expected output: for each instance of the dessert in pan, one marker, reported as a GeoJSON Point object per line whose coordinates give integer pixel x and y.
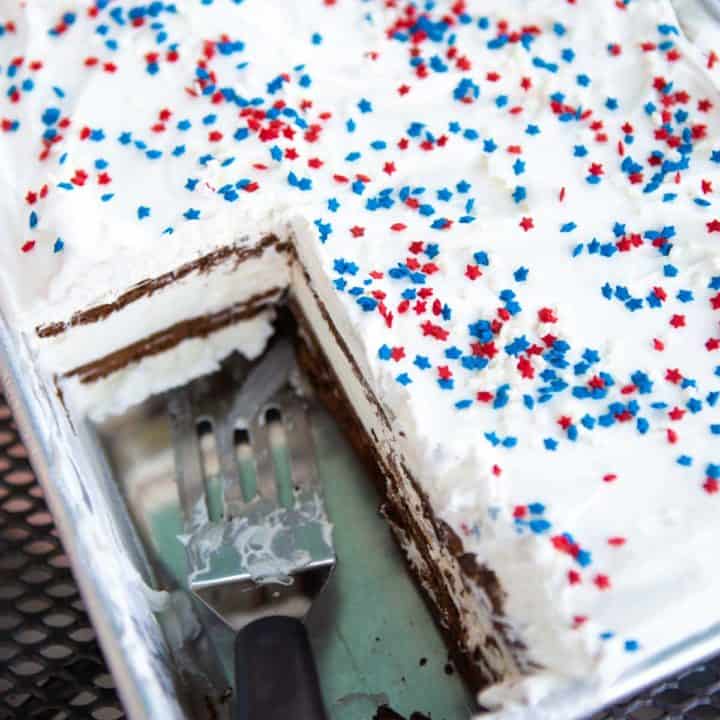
{"type": "Point", "coordinates": [497, 226]}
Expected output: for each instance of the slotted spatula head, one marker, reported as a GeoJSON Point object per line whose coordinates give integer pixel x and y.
{"type": "Point", "coordinates": [258, 540]}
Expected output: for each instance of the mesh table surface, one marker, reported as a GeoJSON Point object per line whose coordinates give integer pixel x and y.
{"type": "Point", "coordinates": [51, 667]}
{"type": "Point", "coordinates": [50, 663]}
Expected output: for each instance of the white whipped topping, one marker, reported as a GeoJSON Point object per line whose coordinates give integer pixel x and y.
{"type": "Point", "coordinates": [650, 526]}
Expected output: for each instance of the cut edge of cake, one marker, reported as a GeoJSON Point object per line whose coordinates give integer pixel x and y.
{"type": "Point", "coordinates": [464, 597]}
{"type": "Point", "coordinates": [165, 330]}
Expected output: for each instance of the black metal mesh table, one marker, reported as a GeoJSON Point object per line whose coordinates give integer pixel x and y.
{"type": "Point", "coordinates": [50, 663]}
{"type": "Point", "coordinates": [51, 667]}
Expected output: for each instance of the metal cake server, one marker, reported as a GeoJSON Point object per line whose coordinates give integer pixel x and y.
{"type": "Point", "coordinates": [258, 544]}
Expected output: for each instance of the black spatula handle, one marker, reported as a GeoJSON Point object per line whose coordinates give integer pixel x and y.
{"type": "Point", "coordinates": [275, 674]}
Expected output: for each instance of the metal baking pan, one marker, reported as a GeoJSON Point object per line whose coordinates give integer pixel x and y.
{"type": "Point", "coordinates": [367, 657]}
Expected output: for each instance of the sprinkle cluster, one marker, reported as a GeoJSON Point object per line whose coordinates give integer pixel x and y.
{"type": "Point", "coordinates": [398, 195]}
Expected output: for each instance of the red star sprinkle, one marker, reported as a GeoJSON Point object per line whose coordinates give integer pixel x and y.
{"type": "Point", "coordinates": [546, 315]}
{"type": "Point", "coordinates": [435, 331]}
{"type": "Point", "coordinates": [444, 372]}
{"type": "Point", "coordinates": [525, 368]}
{"type": "Point", "coordinates": [673, 375]}
{"type": "Point", "coordinates": [527, 224]}
{"type": "Point", "coordinates": [676, 413]}
{"type": "Point", "coordinates": [573, 577]}
{"type": "Point", "coordinates": [602, 581]}
{"type": "Point", "coordinates": [677, 321]}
